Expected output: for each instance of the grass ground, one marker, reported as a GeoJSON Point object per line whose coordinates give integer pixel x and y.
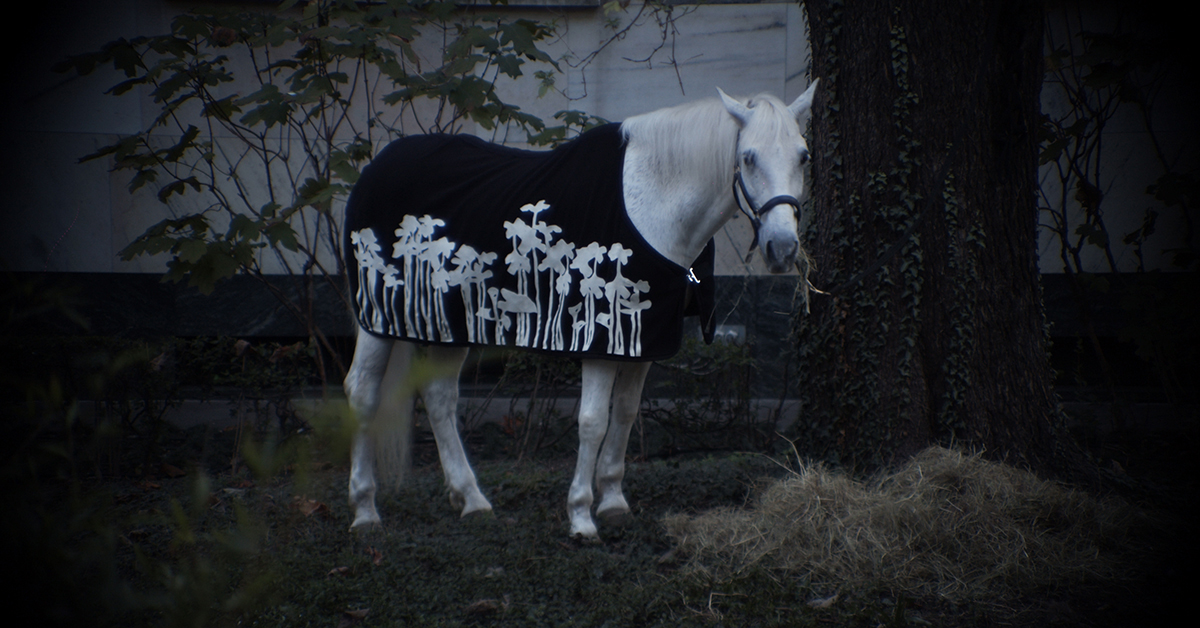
{"type": "Point", "coordinates": [181, 548]}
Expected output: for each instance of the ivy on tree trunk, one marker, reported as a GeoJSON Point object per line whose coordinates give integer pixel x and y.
{"type": "Point", "coordinates": [925, 134]}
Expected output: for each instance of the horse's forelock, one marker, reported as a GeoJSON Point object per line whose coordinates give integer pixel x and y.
{"type": "Point", "coordinates": [772, 118]}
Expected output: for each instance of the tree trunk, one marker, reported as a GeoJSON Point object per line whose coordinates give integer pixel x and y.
{"type": "Point", "coordinates": [926, 114]}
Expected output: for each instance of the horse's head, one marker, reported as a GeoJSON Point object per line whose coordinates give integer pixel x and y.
{"type": "Point", "coordinates": [769, 176]}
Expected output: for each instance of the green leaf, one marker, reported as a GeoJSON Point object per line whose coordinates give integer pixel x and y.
{"type": "Point", "coordinates": [510, 65]}
{"type": "Point", "coordinates": [270, 114]}
{"type": "Point", "coordinates": [124, 56]}
{"type": "Point", "coordinates": [214, 266]}
{"type": "Point", "coordinates": [186, 142]}
{"type": "Point", "coordinates": [191, 26]}
{"type": "Point", "coordinates": [124, 86]}
{"type": "Point", "coordinates": [142, 177]}
{"type": "Point", "coordinates": [123, 147]}
{"type": "Point", "coordinates": [244, 228]}
{"type": "Point", "coordinates": [314, 191]}
{"type": "Point", "coordinates": [281, 234]}
{"type": "Point", "coordinates": [191, 250]}
{"type": "Point", "coordinates": [222, 109]}
{"type": "Point", "coordinates": [178, 187]}
{"type": "Point", "coordinates": [345, 171]}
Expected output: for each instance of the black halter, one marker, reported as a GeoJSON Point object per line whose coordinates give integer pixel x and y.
{"type": "Point", "coordinates": [755, 213]}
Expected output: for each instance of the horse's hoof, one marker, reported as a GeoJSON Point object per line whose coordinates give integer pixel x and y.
{"type": "Point", "coordinates": [366, 521]}
{"type": "Point", "coordinates": [478, 513]}
{"type": "Point", "coordinates": [613, 511]}
{"type": "Point", "coordinates": [367, 532]}
{"type": "Point", "coordinates": [616, 518]}
{"type": "Point", "coordinates": [584, 540]}
{"type": "Point", "coordinates": [586, 530]}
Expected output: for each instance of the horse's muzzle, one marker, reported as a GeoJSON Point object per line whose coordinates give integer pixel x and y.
{"type": "Point", "coordinates": [780, 253]}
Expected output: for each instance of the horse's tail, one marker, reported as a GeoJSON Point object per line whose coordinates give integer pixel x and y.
{"type": "Point", "coordinates": [393, 421]}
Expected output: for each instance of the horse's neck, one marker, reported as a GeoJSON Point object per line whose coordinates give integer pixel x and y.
{"type": "Point", "coordinates": [676, 212]}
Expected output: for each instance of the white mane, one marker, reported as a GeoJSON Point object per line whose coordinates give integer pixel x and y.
{"type": "Point", "coordinates": [698, 140]}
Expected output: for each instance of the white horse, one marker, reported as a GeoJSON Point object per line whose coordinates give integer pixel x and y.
{"type": "Point", "coordinates": [682, 165]}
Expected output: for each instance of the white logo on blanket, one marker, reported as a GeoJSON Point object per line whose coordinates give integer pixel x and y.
{"type": "Point", "coordinates": [410, 301]}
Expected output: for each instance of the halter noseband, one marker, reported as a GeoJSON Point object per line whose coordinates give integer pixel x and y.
{"type": "Point", "coordinates": [755, 213]}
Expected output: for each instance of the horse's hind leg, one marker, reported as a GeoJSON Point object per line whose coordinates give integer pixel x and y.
{"type": "Point", "coordinates": [610, 469]}
{"type": "Point", "coordinates": [441, 401]}
{"type": "Point", "coordinates": [362, 386]}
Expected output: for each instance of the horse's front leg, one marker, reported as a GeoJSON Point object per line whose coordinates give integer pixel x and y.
{"type": "Point", "coordinates": [610, 470]}
{"type": "Point", "coordinates": [594, 396]}
{"type": "Point", "coordinates": [362, 387]}
{"type": "Point", "coordinates": [441, 401]}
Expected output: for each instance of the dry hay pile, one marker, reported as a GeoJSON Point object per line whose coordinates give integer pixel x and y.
{"type": "Point", "coordinates": [946, 524]}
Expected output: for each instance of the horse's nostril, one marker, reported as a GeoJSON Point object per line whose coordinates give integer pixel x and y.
{"type": "Point", "coordinates": [784, 252]}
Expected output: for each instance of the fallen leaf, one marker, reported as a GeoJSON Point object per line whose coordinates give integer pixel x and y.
{"type": "Point", "coordinates": [147, 485]}
{"type": "Point", "coordinates": [353, 618]}
{"type": "Point", "coordinates": [157, 363]}
{"type": "Point", "coordinates": [309, 506]}
{"type": "Point", "coordinates": [338, 571]}
{"type": "Point", "coordinates": [172, 471]}
{"type": "Point", "coordinates": [482, 607]}
{"type": "Point", "coordinates": [240, 346]}
{"type": "Point", "coordinates": [376, 555]}
{"type": "Point", "coordinates": [823, 602]}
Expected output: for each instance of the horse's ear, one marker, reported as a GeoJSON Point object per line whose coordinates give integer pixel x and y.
{"type": "Point", "coordinates": [805, 101]}
{"type": "Point", "coordinates": [736, 108]}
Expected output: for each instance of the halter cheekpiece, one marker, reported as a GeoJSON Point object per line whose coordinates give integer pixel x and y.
{"type": "Point", "coordinates": [755, 213]}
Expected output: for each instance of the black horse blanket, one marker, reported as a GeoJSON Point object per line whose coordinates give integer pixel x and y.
{"type": "Point", "coordinates": [453, 240]}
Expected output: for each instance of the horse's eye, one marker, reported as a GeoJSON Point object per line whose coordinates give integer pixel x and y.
{"type": "Point", "coordinates": [803, 156]}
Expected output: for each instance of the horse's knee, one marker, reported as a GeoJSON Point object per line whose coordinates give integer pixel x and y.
{"type": "Point", "coordinates": [592, 425]}
{"type": "Point", "coordinates": [366, 372]}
